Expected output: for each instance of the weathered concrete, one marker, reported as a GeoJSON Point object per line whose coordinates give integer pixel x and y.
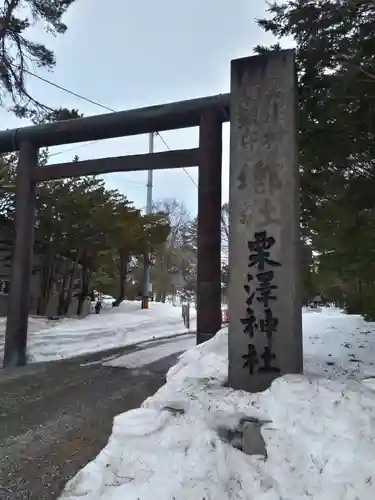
{"type": "Point", "coordinates": [265, 333]}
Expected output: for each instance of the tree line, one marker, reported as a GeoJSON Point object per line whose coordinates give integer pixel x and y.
{"type": "Point", "coordinates": [91, 238]}
{"type": "Point", "coordinates": [335, 45]}
{"type": "Point", "coordinates": [334, 42]}
{"type": "Point", "coordinates": [85, 234]}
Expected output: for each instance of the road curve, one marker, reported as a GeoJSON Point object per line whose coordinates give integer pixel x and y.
{"type": "Point", "coordinates": [56, 417]}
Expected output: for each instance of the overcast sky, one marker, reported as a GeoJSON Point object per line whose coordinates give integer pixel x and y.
{"type": "Point", "coordinates": [127, 54]}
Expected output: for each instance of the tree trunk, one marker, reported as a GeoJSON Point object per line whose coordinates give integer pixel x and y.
{"type": "Point", "coordinates": [65, 295]}
{"type": "Point", "coordinates": [61, 303]}
{"type": "Point", "coordinates": [73, 277]}
{"type": "Point", "coordinates": [46, 282]}
{"type": "Point", "coordinates": [85, 284]}
{"type": "Point", "coordinates": [42, 305]}
{"type": "Point", "coordinates": [123, 271]}
{"type": "Point", "coordinates": [161, 281]}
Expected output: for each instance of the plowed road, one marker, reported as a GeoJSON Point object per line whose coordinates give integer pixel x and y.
{"type": "Point", "coordinates": [56, 417]}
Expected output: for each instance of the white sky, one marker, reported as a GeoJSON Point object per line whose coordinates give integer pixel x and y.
{"type": "Point", "coordinates": [144, 53]}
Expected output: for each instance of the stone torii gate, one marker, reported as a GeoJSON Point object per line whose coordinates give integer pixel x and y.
{"type": "Point", "coordinates": [264, 306]}
{"type": "Point", "coordinates": [207, 113]}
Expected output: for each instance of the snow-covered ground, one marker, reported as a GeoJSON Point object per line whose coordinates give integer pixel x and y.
{"type": "Point", "coordinates": [125, 325]}
{"type": "Point", "coordinates": [151, 352]}
{"type": "Point", "coordinates": [319, 431]}
{"type": "Point", "coordinates": [338, 345]}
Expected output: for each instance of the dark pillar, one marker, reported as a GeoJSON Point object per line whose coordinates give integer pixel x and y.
{"type": "Point", "coordinates": [209, 228]}
{"type": "Point", "coordinates": [19, 296]}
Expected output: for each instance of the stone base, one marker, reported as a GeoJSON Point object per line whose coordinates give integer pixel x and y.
{"type": "Point", "coordinates": [246, 437]}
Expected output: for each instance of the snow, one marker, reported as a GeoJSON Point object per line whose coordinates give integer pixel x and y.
{"type": "Point", "coordinates": [36, 324]}
{"type": "Point", "coordinates": [346, 342]}
{"type": "Point", "coordinates": [115, 327]}
{"type": "Point", "coordinates": [149, 353]}
{"type": "Point", "coordinates": [319, 435]}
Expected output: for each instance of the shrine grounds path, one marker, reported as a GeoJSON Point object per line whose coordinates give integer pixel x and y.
{"type": "Point", "coordinates": [55, 417]}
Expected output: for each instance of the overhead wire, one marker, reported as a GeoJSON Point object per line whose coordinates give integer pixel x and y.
{"type": "Point", "coordinates": [100, 105]}
{"type": "Point", "coordinates": [183, 168]}
{"type": "Point", "coordinates": [107, 108]}
{"type": "Point", "coordinates": [71, 92]}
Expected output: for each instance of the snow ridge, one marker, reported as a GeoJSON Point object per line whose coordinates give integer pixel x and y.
{"type": "Point", "coordinates": [320, 440]}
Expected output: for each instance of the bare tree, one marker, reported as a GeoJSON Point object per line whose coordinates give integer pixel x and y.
{"type": "Point", "coordinates": [178, 218]}
{"type": "Point", "coordinates": [174, 256]}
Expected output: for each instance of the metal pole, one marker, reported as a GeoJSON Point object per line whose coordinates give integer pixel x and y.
{"type": "Point", "coordinates": [146, 263]}
{"type": "Point", "coordinates": [150, 176]}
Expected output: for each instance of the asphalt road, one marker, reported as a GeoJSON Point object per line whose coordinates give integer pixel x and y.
{"type": "Point", "coordinates": [56, 417]}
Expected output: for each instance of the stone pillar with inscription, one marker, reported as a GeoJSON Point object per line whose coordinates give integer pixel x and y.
{"type": "Point", "coordinates": [265, 331]}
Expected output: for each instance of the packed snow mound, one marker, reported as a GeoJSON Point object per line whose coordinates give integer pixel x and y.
{"type": "Point", "coordinates": [319, 435]}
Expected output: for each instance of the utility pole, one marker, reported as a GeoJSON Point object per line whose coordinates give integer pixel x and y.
{"type": "Point", "coordinates": [146, 263]}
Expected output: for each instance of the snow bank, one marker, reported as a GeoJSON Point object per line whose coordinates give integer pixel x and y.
{"type": "Point", "coordinates": [36, 324]}
{"type": "Point", "coordinates": [125, 325]}
{"type": "Point", "coordinates": [320, 438]}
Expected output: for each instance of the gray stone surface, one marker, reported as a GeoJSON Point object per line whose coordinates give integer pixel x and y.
{"type": "Point", "coordinates": [264, 221]}
{"type": "Point", "coordinates": [252, 440]}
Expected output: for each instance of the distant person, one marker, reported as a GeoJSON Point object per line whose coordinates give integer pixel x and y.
{"type": "Point", "coordinates": [98, 306]}
{"type": "Point", "coordinates": [186, 315]}
{"type": "Point", "coordinates": [317, 301]}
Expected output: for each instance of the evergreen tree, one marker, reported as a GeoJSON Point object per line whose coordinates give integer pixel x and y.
{"type": "Point", "coordinates": [335, 46]}
{"type": "Point", "coordinates": [19, 52]}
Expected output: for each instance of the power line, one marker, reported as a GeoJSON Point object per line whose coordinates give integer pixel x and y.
{"type": "Point", "coordinates": [75, 94]}
{"type": "Point", "coordinates": [69, 91]}
{"type": "Point", "coordinates": [71, 149]}
{"type": "Point", "coordinates": [183, 168]}
{"type": "Point", "coordinates": [96, 103]}
{"type": "Point", "coordinates": [190, 177]}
